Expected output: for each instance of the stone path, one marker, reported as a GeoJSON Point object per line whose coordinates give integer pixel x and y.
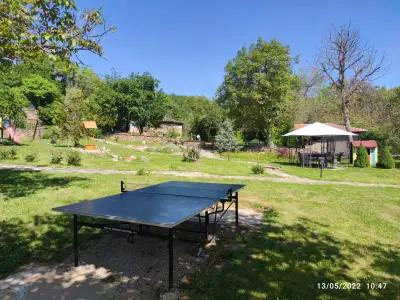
{"type": "Point", "coordinates": [277, 176]}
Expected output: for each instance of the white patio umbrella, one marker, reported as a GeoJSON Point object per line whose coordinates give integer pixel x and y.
{"type": "Point", "coordinates": [319, 129]}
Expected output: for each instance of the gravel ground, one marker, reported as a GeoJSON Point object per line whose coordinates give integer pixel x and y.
{"type": "Point", "coordinates": [112, 268]}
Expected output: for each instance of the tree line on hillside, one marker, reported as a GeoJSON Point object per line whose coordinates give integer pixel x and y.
{"type": "Point", "coordinates": [261, 94]}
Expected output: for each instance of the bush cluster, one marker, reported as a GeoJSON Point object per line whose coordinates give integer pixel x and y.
{"type": "Point", "coordinates": [191, 155]}
{"type": "Point", "coordinates": [31, 157]}
{"type": "Point", "coordinates": [142, 172]}
{"type": "Point", "coordinates": [8, 153]}
{"type": "Point", "coordinates": [56, 158]}
{"type": "Point", "coordinates": [73, 158]}
{"type": "Point", "coordinates": [385, 159]}
{"type": "Point", "coordinates": [257, 169]}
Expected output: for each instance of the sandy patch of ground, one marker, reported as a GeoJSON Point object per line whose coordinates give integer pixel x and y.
{"type": "Point", "coordinates": [112, 268]}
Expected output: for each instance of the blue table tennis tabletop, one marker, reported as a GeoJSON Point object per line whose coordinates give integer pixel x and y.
{"type": "Point", "coordinates": [166, 204]}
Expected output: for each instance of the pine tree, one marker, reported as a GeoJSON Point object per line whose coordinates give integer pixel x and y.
{"type": "Point", "coordinates": [362, 157]}
{"type": "Point", "coordinates": [385, 160]}
{"type": "Point", "coordinates": [225, 140]}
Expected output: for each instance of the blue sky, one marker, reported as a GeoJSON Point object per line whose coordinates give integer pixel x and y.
{"type": "Point", "coordinates": [187, 43]}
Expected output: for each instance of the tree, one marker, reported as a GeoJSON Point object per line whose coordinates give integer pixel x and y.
{"type": "Point", "coordinates": [225, 140]}
{"type": "Point", "coordinates": [70, 114]}
{"type": "Point", "coordinates": [103, 103]}
{"type": "Point", "coordinates": [41, 93]}
{"type": "Point", "coordinates": [142, 102]}
{"type": "Point", "coordinates": [348, 63]}
{"type": "Point", "coordinates": [87, 81]}
{"type": "Point", "coordinates": [12, 103]}
{"type": "Point", "coordinates": [385, 159]}
{"type": "Point", "coordinates": [362, 157]}
{"type": "Point", "coordinates": [51, 27]}
{"type": "Point", "coordinates": [256, 86]}
{"type": "Point", "coordinates": [207, 124]}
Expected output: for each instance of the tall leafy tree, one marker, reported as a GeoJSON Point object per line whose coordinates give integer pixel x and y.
{"type": "Point", "coordinates": [55, 28]}
{"type": "Point", "coordinates": [12, 103]}
{"type": "Point", "coordinates": [142, 101]}
{"type": "Point", "coordinates": [70, 113]}
{"type": "Point", "coordinates": [104, 103]}
{"type": "Point", "coordinates": [256, 85]}
{"type": "Point", "coordinates": [41, 93]}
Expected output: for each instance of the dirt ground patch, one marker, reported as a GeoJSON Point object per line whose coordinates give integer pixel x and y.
{"type": "Point", "coordinates": [112, 268]}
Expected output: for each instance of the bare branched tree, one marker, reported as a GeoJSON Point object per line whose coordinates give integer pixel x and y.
{"type": "Point", "coordinates": [348, 63]}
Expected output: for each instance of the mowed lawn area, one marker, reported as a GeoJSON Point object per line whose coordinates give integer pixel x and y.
{"type": "Point", "coordinates": [311, 234]}
{"type": "Point", "coordinates": [150, 160]}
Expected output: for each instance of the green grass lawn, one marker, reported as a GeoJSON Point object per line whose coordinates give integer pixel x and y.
{"type": "Point", "coordinates": [311, 234]}
{"type": "Point", "coordinates": [152, 161]}
{"type": "Point", "coordinates": [347, 173]}
{"type": "Point", "coordinates": [260, 157]}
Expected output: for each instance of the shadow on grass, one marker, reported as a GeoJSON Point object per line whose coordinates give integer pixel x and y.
{"type": "Point", "coordinates": [281, 261]}
{"type": "Point", "coordinates": [15, 184]}
{"type": "Point", "coordinates": [41, 238]}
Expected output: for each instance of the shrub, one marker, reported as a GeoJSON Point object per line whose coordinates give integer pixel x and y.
{"type": "Point", "coordinates": [53, 134]}
{"type": "Point", "coordinates": [8, 153]}
{"type": "Point", "coordinates": [362, 160]}
{"type": "Point", "coordinates": [257, 169]}
{"type": "Point", "coordinates": [191, 155]}
{"type": "Point", "coordinates": [385, 159]}
{"type": "Point", "coordinates": [142, 172]}
{"type": "Point", "coordinates": [31, 157]}
{"type": "Point", "coordinates": [173, 134]}
{"type": "Point", "coordinates": [56, 158]}
{"type": "Point", "coordinates": [73, 158]}
{"type": "Point", "coordinates": [170, 148]}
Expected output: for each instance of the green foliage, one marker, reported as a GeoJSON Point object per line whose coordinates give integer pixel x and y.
{"type": "Point", "coordinates": [385, 159]}
{"type": "Point", "coordinates": [31, 157]}
{"type": "Point", "coordinates": [225, 140]}
{"type": "Point", "coordinates": [73, 158]}
{"type": "Point", "coordinates": [193, 111]}
{"type": "Point", "coordinates": [207, 125]}
{"type": "Point", "coordinates": [56, 157]}
{"type": "Point", "coordinates": [256, 87]}
{"type": "Point", "coordinates": [362, 160]}
{"type": "Point", "coordinates": [257, 169]}
{"type": "Point", "coordinates": [12, 103]}
{"type": "Point", "coordinates": [70, 114]}
{"type": "Point", "coordinates": [8, 153]}
{"type": "Point", "coordinates": [140, 100]}
{"type": "Point", "coordinates": [51, 27]}
{"type": "Point", "coordinates": [105, 107]}
{"type": "Point", "coordinates": [142, 172]}
{"type": "Point", "coordinates": [173, 134]}
{"type": "Point", "coordinates": [87, 81]}
{"type": "Point", "coordinates": [191, 155]}
{"type": "Point", "coordinates": [170, 148]}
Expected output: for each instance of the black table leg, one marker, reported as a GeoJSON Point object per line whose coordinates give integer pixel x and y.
{"type": "Point", "coordinates": [237, 209]}
{"type": "Point", "coordinates": [207, 221]}
{"type": "Point", "coordinates": [171, 258]}
{"type": "Point", "coordinates": [76, 240]}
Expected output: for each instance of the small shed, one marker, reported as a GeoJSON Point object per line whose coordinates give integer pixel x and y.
{"type": "Point", "coordinates": [372, 149]}
{"type": "Point", "coordinates": [89, 128]}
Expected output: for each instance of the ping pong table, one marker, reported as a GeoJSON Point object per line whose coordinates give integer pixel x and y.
{"type": "Point", "coordinates": [165, 205]}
